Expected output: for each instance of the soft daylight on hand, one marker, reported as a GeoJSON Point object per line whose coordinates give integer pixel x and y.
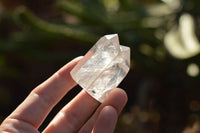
{"type": "Point", "coordinates": [29, 115]}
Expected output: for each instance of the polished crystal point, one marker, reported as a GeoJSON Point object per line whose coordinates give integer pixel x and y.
{"type": "Point", "coordinates": [103, 67]}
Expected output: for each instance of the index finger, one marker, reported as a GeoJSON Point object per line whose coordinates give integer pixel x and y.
{"type": "Point", "coordinates": [43, 98]}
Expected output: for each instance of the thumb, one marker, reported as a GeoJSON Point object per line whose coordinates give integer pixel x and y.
{"type": "Point", "coordinates": [106, 120]}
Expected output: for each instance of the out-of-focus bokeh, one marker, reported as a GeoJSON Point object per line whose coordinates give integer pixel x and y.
{"type": "Point", "coordinates": [38, 37]}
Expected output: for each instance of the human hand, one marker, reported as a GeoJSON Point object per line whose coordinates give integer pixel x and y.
{"type": "Point", "coordinates": [30, 114]}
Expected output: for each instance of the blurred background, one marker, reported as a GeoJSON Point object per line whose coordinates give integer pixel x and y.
{"type": "Point", "coordinates": [38, 37]}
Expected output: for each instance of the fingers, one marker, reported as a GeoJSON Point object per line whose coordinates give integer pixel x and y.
{"type": "Point", "coordinates": [106, 120]}
{"type": "Point", "coordinates": [73, 115]}
{"type": "Point", "coordinates": [117, 99]}
{"type": "Point", "coordinates": [42, 99]}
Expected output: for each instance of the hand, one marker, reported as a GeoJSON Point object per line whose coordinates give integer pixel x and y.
{"type": "Point", "coordinates": [72, 118]}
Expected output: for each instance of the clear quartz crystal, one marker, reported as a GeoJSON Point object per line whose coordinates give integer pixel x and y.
{"type": "Point", "coordinates": [103, 67]}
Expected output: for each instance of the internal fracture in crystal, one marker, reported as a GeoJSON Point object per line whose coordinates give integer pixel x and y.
{"type": "Point", "coordinates": [103, 67]}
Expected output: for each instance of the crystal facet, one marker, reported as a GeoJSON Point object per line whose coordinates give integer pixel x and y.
{"type": "Point", "coordinates": [103, 67]}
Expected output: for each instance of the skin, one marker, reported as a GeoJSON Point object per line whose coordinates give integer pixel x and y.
{"type": "Point", "coordinates": [73, 117]}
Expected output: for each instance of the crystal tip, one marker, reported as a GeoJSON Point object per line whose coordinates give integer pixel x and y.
{"type": "Point", "coordinates": [111, 36]}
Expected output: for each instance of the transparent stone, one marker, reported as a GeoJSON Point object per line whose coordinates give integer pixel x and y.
{"type": "Point", "coordinates": [103, 67]}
